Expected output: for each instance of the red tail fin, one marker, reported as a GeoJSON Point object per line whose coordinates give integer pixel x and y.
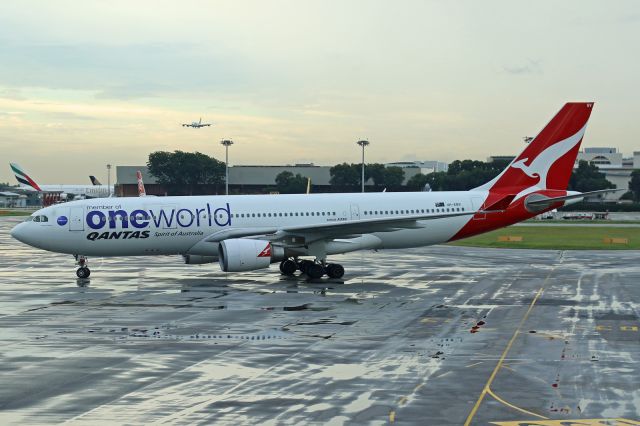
{"type": "Point", "coordinates": [141, 190]}
{"type": "Point", "coordinates": [547, 162]}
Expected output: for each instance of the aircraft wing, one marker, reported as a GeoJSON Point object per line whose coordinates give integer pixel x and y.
{"type": "Point", "coordinates": [332, 230]}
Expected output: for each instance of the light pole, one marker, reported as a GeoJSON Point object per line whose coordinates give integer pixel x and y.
{"type": "Point", "coordinates": [227, 143]}
{"type": "Point", "coordinates": [363, 143]}
{"type": "Point", "coordinates": [109, 178]}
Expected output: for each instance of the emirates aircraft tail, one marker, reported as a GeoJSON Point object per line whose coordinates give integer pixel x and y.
{"type": "Point", "coordinates": [23, 178]}
{"type": "Point", "coordinates": [547, 161]}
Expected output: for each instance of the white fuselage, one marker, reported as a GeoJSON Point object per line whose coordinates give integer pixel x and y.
{"type": "Point", "coordinates": [180, 225]}
{"type": "Point", "coordinates": [89, 191]}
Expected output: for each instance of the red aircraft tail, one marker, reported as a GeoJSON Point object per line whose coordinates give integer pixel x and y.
{"type": "Point", "coordinates": [547, 162]}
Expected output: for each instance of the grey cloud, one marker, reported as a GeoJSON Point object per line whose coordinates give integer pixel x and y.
{"type": "Point", "coordinates": [63, 115]}
{"type": "Point", "coordinates": [530, 67]}
{"type": "Point", "coordinates": [122, 72]}
{"type": "Point", "coordinates": [13, 94]}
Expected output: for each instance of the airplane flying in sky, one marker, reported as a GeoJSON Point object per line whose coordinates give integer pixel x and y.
{"type": "Point", "coordinates": [196, 124]}
{"type": "Point", "coordinates": [66, 191]}
{"type": "Point", "coordinates": [249, 232]}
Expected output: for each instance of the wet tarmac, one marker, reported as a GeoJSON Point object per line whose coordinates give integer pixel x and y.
{"type": "Point", "coordinates": [434, 336]}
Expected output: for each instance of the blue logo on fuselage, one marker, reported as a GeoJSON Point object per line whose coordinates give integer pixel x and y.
{"type": "Point", "coordinates": [62, 220]}
{"type": "Point", "coordinates": [160, 218]}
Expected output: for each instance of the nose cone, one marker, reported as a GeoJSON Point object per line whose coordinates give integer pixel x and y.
{"type": "Point", "coordinates": [20, 233]}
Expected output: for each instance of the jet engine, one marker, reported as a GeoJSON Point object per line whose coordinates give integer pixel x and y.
{"type": "Point", "coordinates": [196, 259]}
{"type": "Point", "coordinates": [239, 254]}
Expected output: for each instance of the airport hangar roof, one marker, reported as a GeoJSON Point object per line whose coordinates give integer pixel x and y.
{"type": "Point", "coordinates": [238, 175]}
{"type": "Point", "coordinates": [250, 175]}
{"type": "Point", "coordinates": [11, 194]}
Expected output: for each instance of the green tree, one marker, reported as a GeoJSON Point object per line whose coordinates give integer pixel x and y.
{"type": "Point", "coordinates": [375, 172]}
{"type": "Point", "coordinates": [287, 183]}
{"type": "Point", "coordinates": [417, 182]}
{"type": "Point", "coordinates": [463, 175]}
{"type": "Point", "coordinates": [345, 175]}
{"type": "Point", "coordinates": [634, 184]}
{"type": "Point", "coordinates": [183, 171]}
{"type": "Point", "coordinates": [393, 177]}
{"type": "Point", "coordinates": [587, 177]}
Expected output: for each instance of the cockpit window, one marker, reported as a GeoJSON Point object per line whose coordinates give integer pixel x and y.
{"type": "Point", "coordinates": [40, 218]}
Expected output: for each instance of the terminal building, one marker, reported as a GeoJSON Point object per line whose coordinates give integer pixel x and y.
{"type": "Point", "coordinates": [425, 167]}
{"type": "Point", "coordinates": [10, 199]}
{"type": "Point", "coordinates": [616, 168]}
{"type": "Point", "coordinates": [256, 179]}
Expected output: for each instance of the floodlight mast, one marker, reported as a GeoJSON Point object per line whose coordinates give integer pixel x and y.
{"type": "Point", "coordinates": [363, 143]}
{"type": "Point", "coordinates": [109, 179]}
{"type": "Point", "coordinates": [226, 143]}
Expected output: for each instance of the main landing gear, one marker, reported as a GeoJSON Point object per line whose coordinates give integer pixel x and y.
{"type": "Point", "coordinates": [313, 270]}
{"type": "Point", "coordinates": [83, 270]}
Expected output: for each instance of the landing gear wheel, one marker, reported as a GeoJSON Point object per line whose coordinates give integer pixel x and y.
{"type": "Point", "coordinates": [288, 267]}
{"type": "Point", "coordinates": [303, 265]}
{"type": "Point", "coordinates": [335, 270]}
{"type": "Point", "coordinates": [83, 272]}
{"type": "Point", "coordinates": [315, 271]}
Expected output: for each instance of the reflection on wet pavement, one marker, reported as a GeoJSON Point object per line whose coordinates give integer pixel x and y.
{"type": "Point", "coordinates": [410, 336]}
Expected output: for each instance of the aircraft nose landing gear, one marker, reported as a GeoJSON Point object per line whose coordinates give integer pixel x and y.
{"type": "Point", "coordinates": [83, 270]}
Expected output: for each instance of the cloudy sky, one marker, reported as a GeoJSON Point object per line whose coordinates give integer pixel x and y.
{"type": "Point", "coordinates": [86, 83]}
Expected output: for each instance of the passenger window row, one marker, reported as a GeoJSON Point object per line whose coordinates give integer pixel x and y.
{"type": "Point", "coordinates": [413, 211]}
{"type": "Point", "coordinates": [281, 214]}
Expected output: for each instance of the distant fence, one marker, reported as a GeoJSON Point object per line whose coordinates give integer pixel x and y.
{"type": "Point", "coordinates": [510, 238]}
{"type": "Point", "coordinates": [615, 240]}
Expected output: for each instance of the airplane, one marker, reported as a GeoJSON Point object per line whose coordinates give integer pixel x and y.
{"type": "Point", "coordinates": [65, 191]}
{"type": "Point", "coordinates": [94, 180]}
{"type": "Point", "coordinates": [196, 124]}
{"type": "Point", "coordinates": [250, 232]}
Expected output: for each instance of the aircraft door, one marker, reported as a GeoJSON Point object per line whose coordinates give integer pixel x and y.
{"type": "Point", "coordinates": [76, 219]}
{"type": "Point", "coordinates": [476, 203]}
{"type": "Point", "coordinates": [355, 212]}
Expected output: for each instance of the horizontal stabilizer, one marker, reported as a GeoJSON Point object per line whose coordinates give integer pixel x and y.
{"type": "Point", "coordinates": [538, 201]}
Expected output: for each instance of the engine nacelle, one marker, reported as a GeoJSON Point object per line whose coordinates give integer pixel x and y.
{"type": "Point", "coordinates": [196, 259]}
{"type": "Point", "coordinates": [239, 254]}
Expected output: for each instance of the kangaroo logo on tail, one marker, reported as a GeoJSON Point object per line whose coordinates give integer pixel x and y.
{"type": "Point", "coordinates": [520, 164]}
{"type": "Point", "coordinates": [547, 161]}
{"type": "Point", "coordinates": [540, 166]}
